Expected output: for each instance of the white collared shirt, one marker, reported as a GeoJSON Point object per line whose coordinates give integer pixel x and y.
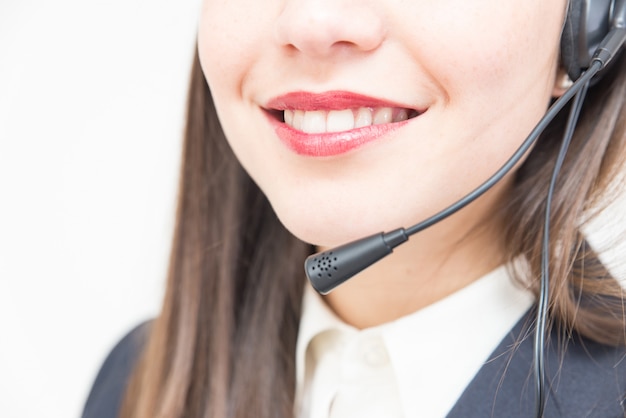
{"type": "Point", "coordinates": [415, 366]}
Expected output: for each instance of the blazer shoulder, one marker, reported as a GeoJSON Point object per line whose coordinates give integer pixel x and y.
{"type": "Point", "coordinates": [583, 379]}
{"type": "Point", "coordinates": [107, 392]}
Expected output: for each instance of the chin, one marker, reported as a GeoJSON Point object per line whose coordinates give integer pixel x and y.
{"type": "Point", "coordinates": [324, 237]}
{"type": "Point", "coordinates": [326, 230]}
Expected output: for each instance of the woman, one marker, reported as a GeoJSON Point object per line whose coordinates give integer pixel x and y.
{"type": "Point", "coordinates": [329, 120]}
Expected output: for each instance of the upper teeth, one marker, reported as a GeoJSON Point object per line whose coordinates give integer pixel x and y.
{"type": "Point", "coordinates": [321, 121]}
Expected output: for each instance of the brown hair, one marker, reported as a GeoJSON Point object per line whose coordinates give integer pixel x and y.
{"type": "Point", "coordinates": [224, 343]}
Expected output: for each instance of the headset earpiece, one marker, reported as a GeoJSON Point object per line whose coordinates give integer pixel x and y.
{"type": "Point", "coordinates": [587, 23]}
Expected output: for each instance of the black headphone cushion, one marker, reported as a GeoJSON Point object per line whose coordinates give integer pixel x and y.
{"type": "Point", "coordinates": [570, 41]}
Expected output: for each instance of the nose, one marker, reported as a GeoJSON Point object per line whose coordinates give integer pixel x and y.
{"type": "Point", "coordinates": [321, 28]}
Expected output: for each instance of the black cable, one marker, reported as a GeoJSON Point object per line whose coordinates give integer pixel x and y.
{"type": "Point", "coordinates": [544, 295]}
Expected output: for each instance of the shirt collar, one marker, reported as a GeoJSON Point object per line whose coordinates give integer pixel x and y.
{"type": "Point", "coordinates": [316, 318]}
{"type": "Point", "coordinates": [462, 329]}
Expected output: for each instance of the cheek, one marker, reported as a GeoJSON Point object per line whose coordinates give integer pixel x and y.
{"type": "Point", "coordinates": [489, 45]}
{"type": "Point", "coordinates": [228, 38]}
{"type": "Point", "coordinates": [497, 81]}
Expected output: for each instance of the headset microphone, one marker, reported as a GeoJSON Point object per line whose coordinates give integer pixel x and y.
{"type": "Point", "coordinates": [331, 268]}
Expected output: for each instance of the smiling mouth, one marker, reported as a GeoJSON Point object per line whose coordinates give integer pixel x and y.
{"type": "Point", "coordinates": [331, 121]}
{"type": "Point", "coordinates": [334, 122]}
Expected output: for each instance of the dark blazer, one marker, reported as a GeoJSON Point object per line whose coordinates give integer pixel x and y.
{"type": "Point", "coordinates": [107, 391]}
{"type": "Point", "coordinates": [588, 380]}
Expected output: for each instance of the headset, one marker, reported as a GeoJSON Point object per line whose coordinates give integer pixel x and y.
{"type": "Point", "coordinates": [588, 23]}
{"type": "Point", "coordinates": [594, 32]}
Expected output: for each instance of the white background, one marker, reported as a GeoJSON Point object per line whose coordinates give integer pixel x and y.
{"type": "Point", "coordinates": [91, 116]}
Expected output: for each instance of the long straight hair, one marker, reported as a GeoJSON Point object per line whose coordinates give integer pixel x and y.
{"type": "Point", "coordinates": [224, 342]}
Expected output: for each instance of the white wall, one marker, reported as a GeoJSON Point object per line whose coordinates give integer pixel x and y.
{"type": "Point", "coordinates": [91, 115]}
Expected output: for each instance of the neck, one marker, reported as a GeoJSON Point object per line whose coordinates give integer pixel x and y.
{"type": "Point", "coordinates": [430, 266]}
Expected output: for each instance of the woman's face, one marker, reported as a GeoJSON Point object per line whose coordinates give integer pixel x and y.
{"type": "Point", "coordinates": [357, 116]}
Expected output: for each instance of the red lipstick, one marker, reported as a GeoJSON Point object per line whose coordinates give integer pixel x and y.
{"type": "Point", "coordinates": [373, 119]}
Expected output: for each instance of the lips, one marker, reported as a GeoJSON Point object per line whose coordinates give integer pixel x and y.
{"type": "Point", "coordinates": [335, 122]}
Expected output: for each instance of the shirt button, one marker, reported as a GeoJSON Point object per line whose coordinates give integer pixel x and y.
{"type": "Point", "coordinates": [374, 354]}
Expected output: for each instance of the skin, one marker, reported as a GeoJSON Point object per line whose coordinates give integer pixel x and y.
{"type": "Point", "coordinates": [485, 71]}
